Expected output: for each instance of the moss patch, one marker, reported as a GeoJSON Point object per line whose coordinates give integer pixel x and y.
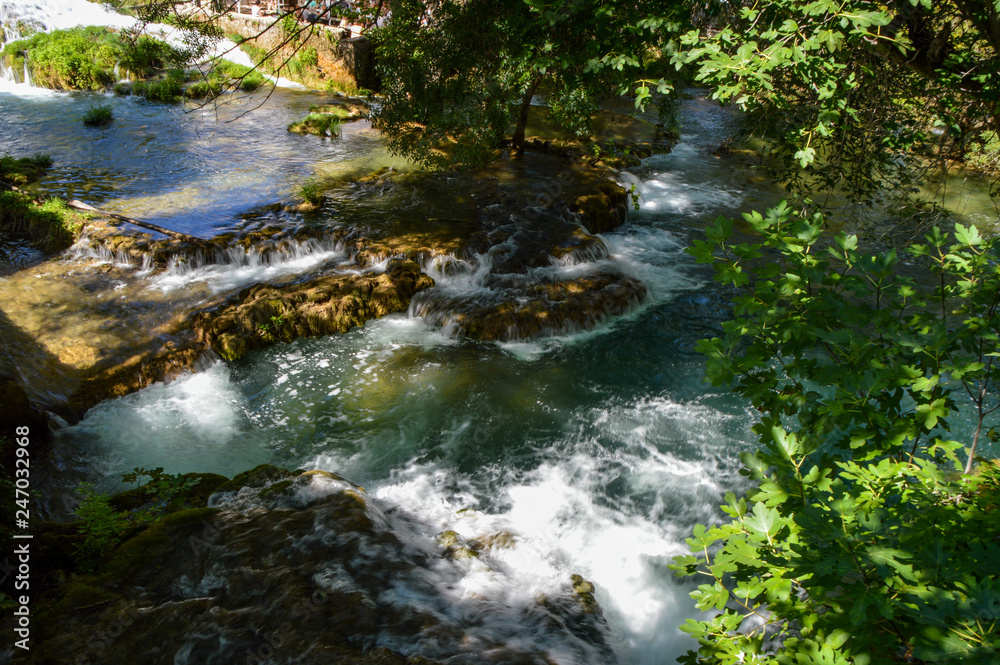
{"type": "Point", "coordinates": [263, 314]}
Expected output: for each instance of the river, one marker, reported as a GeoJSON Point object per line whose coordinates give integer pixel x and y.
{"type": "Point", "coordinates": [599, 450]}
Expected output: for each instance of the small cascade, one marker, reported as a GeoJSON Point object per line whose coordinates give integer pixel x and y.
{"type": "Point", "coordinates": [227, 268]}
{"type": "Point", "coordinates": [89, 249]}
{"type": "Point", "coordinates": [223, 268]}
{"type": "Point", "coordinates": [539, 279]}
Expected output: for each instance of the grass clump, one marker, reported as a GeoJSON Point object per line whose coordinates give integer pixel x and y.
{"type": "Point", "coordinates": [325, 120]}
{"type": "Point", "coordinates": [203, 89]}
{"type": "Point", "coordinates": [98, 116]}
{"type": "Point", "coordinates": [312, 192]}
{"type": "Point", "coordinates": [318, 124]}
{"type": "Point", "coordinates": [20, 171]}
{"type": "Point", "coordinates": [166, 90]}
{"type": "Point", "coordinates": [342, 88]}
{"type": "Point", "coordinates": [50, 226]}
{"type": "Point", "coordinates": [85, 58]}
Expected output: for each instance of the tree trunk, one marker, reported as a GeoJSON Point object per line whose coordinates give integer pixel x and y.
{"type": "Point", "coordinates": [522, 117]}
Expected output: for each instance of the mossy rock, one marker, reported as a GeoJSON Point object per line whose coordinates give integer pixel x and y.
{"type": "Point", "coordinates": [149, 547]}
{"type": "Point", "coordinates": [276, 489]}
{"type": "Point", "coordinates": [259, 476]}
{"type": "Point", "coordinates": [265, 314]}
{"type": "Point", "coordinates": [80, 594]}
{"type": "Point", "coordinates": [584, 590]}
{"type": "Point", "coordinates": [16, 411]}
{"type": "Point", "coordinates": [605, 210]}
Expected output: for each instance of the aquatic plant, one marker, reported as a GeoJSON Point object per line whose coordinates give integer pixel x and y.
{"type": "Point", "coordinates": [98, 116]}
{"type": "Point", "coordinates": [312, 192]}
{"type": "Point", "coordinates": [320, 124]}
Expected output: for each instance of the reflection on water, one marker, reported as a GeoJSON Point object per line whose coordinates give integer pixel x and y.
{"type": "Point", "coordinates": [186, 168]}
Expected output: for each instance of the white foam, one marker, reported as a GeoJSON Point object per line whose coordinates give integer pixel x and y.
{"type": "Point", "coordinates": [190, 424]}
{"type": "Point", "coordinates": [237, 267]}
{"type": "Point", "coordinates": [563, 520]}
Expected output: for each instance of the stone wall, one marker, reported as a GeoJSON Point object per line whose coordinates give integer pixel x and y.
{"type": "Point", "coordinates": [349, 61]}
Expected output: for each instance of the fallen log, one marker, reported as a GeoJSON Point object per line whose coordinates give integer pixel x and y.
{"type": "Point", "coordinates": [194, 240]}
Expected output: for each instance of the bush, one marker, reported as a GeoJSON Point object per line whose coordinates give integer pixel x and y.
{"type": "Point", "coordinates": [866, 539]}
{"type": "Point", "coordinates": [252, 81]}
{"type": "Point", "coordinates": [203, 89]}
{"type": "Point", "coordinates": [98, 116]}
{"type": "Point", "coordinates": [149, 56]}
{"type": "Point", "coordinates": [320, 124]}
{"type": "Point", "coordinates": [85, 58]}
{"type": "Point", "coordinates": [104, 528]}
{"type": "Point", "coordinates": [312, 192]}
{"type": "Point", "coordinates": [309, 57]}
{"type": "Point", "coordinates": [101, 526]}
{"type": "Point", "coordinates": [166, 90]}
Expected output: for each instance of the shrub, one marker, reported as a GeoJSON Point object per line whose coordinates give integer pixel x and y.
{"type": "Point", "coordinates": [252, 81]}
{"type": "Point", "coordinates": [202, 89]}
{"type": "Point", "coordinates": [104, 528]}
{"type": "Point", "coordinates": [98, 116]}
{"type": "Point", "coordinates": [148, 56]}
{"type": "Point", "coordinates": [312, 192]}
{"type": "Point", "coordinates": [85, 58]}
{"type": "Point", "coordinates": [309, 57]}
{"type": "Point", "coordinates": [165, 90]}
{"type": "Point", "coordinates": [866, 538]}
{"type": "Point", "coordinates": [101, 526]}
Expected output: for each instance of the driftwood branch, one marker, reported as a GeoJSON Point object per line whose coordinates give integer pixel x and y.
{"type": "Point", "coordinates": [80, 205]}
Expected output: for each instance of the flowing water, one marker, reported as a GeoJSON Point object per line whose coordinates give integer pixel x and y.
{"type": "Point", "coordinates": [596, 451]}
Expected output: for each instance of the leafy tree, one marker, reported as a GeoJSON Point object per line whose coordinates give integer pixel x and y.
{"type": "Point", "coordinates": [863, 540]}
{"type": "Point", "coordinates": [458, 75]}
{"type": "Point", "coordinates": [849, 87]}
